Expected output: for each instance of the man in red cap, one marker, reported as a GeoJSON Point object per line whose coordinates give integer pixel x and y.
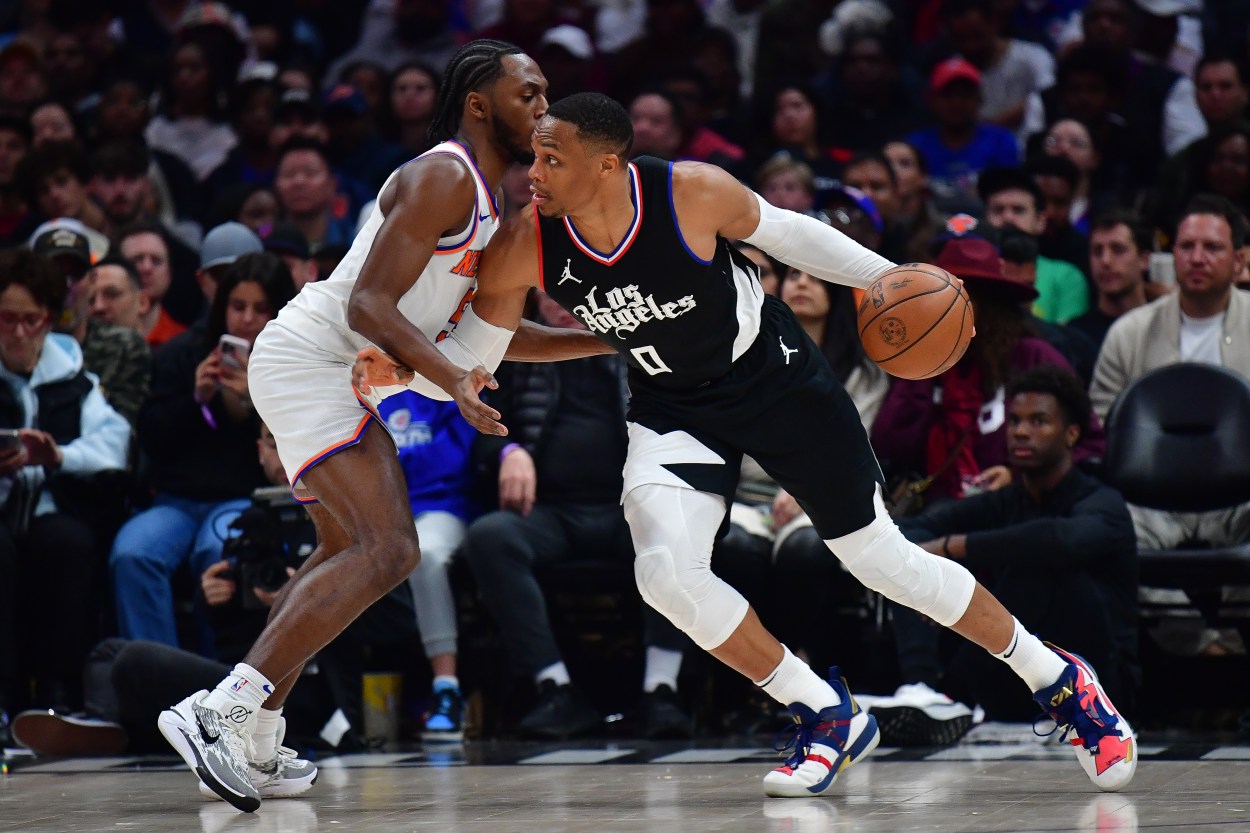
{"type": "Point", "coordinates": [960, 146]}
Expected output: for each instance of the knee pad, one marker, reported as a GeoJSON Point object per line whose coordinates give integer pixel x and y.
{"type": "Point", "coordinates": [656, 576]}
{"type": "Point", "coordinates": [673, 530]}
{"type": "Point", "coordinates": [885, 561]}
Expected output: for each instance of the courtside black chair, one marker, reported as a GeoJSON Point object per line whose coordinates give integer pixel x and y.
{"type": "Point", "coordinates": [1178, 439]}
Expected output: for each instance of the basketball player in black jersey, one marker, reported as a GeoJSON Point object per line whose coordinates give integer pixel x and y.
{"type": "Point", "coordinates": [639, 251]}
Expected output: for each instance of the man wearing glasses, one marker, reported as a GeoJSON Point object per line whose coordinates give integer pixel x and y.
{"type": "Point", "coordinates": [56, 429]}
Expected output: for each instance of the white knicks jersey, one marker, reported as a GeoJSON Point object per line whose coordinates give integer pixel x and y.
{"type": "Point", "coordinates": [437, 298]}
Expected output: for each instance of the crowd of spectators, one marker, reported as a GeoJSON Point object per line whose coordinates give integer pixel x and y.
{"type": "Point", "coordinates": [172, 172]}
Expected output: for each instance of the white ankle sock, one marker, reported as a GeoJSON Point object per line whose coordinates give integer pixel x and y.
{"type": "Point", "coordinates": [793, 682]}
{"type": "Point", "coordinates": [265, 738]}
{"type": "Point", "coordinates": [663, 666]}
{"type": "Point", "coordinates": [244, 684]}
{"type": "Point", "coordinates": [1032, 661]}
{"type": "Point", "coordinates": [446, 681]}
{"type": "Point", "coordinates": [556, 672]}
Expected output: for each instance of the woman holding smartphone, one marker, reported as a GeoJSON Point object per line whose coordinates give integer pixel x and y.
{"type": "Point", "coordinates": [197, 433]}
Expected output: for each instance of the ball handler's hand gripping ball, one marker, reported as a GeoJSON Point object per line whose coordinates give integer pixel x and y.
{"type": "Point", "coordinates": [915, 321]}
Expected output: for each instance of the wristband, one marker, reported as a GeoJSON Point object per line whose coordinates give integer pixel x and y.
{"type": "Point", "coordinates": [946, 546]}
{"type": "Point", "coordinates": [508, 449]}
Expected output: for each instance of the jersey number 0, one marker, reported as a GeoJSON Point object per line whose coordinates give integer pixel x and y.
{"type": "Point", "coordinates": [650, 360]}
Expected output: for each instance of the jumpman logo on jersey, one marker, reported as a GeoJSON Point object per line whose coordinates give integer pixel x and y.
{"type": "Point", "coordinates": [786, 351]}
{"type": "Point", "coordinates": [568, 274]}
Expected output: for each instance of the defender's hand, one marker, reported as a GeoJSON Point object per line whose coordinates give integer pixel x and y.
{"type": "Point", "coordinates": [375, 368]}
{"type": "Point", "coordinates": [478, 414]}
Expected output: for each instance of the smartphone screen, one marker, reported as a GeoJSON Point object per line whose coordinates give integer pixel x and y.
{"type": "Point", "coordinates": [233, 349]}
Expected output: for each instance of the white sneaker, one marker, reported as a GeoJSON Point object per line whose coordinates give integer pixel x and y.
{"type": "Point", "coordinates": [919, 716]}
{"type": "Point", "coordinates": [215, 745]}
{"type": "Point", "coordinates": [285, 775]}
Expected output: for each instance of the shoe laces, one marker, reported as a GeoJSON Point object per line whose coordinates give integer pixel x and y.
{"type": "Point", "coordinates": [239, 744]}
{"type": "Point", "coordinates": [797, 737]}
{"type": "Point", "coordinates": [282, 756]}
{"type": "Point", "coordinates": [1091, 724]}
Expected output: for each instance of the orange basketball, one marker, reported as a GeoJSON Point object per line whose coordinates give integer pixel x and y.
{"type": "Point", "coordinates": [915, 321]}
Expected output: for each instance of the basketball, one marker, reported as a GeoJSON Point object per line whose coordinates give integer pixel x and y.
{"type": "Point", "coordinates": [915, 321]}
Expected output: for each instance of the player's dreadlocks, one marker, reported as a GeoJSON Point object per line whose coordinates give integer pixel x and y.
{"type": "Point", "coordinates": [474, 65]}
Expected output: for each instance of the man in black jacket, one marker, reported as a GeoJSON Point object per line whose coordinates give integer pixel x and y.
{"type": "Point", "coordinates": [1056, 546]}
{"type": "Point", "coordinates": [559, 476]}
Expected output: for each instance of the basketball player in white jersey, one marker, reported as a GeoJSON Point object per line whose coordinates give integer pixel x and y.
{"type": "Point", "coordinates": [403, 286]}
{"type": "Point", "coordinates": [639, 250]}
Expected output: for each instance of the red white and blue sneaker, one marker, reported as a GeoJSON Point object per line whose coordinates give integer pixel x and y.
{"type": "Point", "coordinates": [1102, 739]}
{"type": "Point", "coordinates": [822, 745]}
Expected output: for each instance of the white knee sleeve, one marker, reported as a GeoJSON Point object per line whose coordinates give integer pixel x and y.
{"type": "Point", "coordinates": [883, 560]}
{"type": "Point", "coordinates": [673, 530]}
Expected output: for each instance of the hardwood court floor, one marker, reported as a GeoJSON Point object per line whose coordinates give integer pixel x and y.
{"type": "Point", "coordinates": [632, 788]}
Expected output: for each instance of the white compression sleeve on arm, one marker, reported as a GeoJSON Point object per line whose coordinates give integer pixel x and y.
{"type": "Point", "coordinates": [808, 244]}
{"type": "Point", "coordinates": [484, 343]}
{"type": "Point", "coordinates": [474, 342]}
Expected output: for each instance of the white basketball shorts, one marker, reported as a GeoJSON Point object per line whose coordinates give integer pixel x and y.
{"type": "Point", "coordinates": [304, 394]}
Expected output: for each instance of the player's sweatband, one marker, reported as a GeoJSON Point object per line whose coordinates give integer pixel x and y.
{"type": "Point", "coordinates": [474, 342]}
{"type": "Point", "coordinates": [815, 248]}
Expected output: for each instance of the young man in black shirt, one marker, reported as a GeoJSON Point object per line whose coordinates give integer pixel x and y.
{"type": "Point", "coordinates": [1056, 545]}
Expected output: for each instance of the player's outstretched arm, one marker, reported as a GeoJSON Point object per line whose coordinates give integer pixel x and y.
{"type": "Point", "coordinates": [710, 202]}
{"type": "Point", "coordinates": [539, 343]}
{"type": "Point", "coordinates": [508, 270]}
{"type": "Point", "coordinates": [428, 199]}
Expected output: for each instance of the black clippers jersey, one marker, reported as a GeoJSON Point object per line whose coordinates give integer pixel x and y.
{"type": "Point", "coordinates": [677, 320]}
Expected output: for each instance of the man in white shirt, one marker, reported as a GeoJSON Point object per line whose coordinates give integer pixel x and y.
{"type": "Point", "coordinates": [1011, 70]}
{"type": "Point", "coordinates": [1206, 320]}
